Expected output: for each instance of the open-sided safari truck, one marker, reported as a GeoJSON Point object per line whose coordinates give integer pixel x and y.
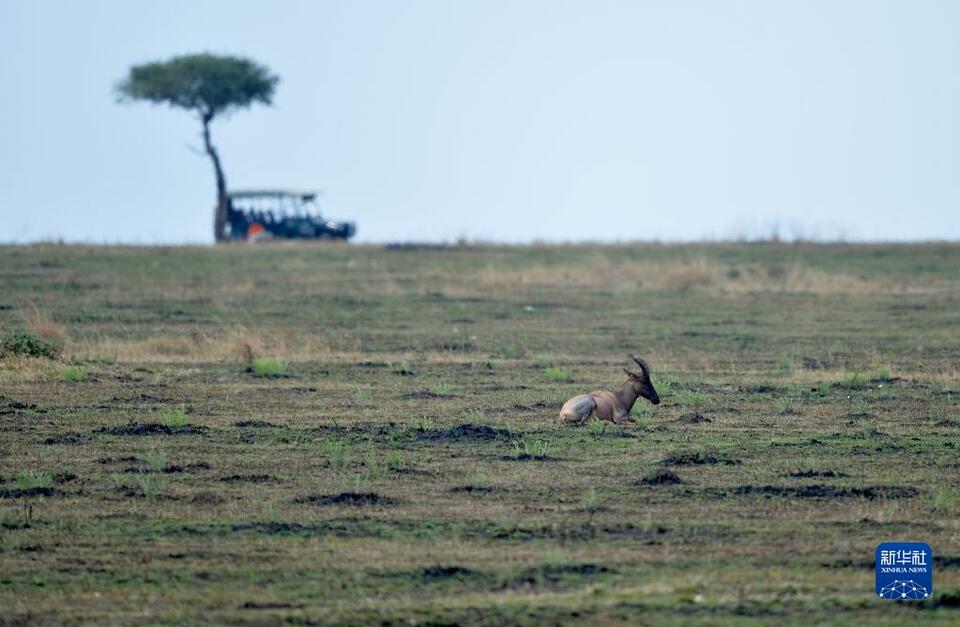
{"type": "Point", "coordinates": [265, 214]}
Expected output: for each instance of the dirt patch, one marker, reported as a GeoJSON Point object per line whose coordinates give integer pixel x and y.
{"type": "Point", "coordinates": [823, 491]}
{"type": "Point", "coordinates": [807, 474]}
{"type": "Point", "coordinates": [254, 424]}
{"type": "Point", "coordinates": [272, 528]}
{"type": "Point", "coordinates": [422, 394]}
{"type": "Point", "coordinates": [247, 478]}
{"type": "Point", "coordinates": [762, 389]}
{"type": "Point", "coordinates": [467, 432]}
{"type": "Point", "coordinates": [439, 573]}
{"type": "Point", "coordinates": [693, 418]}
{"type": "Point", "coordinates": [174, 468]}
{"type": "Point", "coordinates": [849, 563]}
{"type": "Point", "coordinates": [473, 489]}
{"type": "Point", "coordinates": [206, 498]}
{"type": "Point", "coordinates": [267, 605]}
{"type": "Point", "coordinates": [11, 406]}
{"type": "Point", "coordinates": [169, 469]}
{"type": "Point", "coordinates": [697, 459]}
{"type": "Point", "coordinates": [64, 476]}
{"type": "Point", "coordinates": [555, 574]}
{"type": "Point", "coordinates": [372, 364]}
{"type": "Point", "coordinates": [70, 438]}
{"type": "Point", "coordinates": [480, 530]}
{"type": "Point", "coordinates": [527, 457]}
{"type": "Point", "coordinates": [662, 476]}
{"type": "Point", "coordinates": [19, 493]}
{"type": "Point", "coordinates": [120, 460]}
{"type": "Point", "coordinates": [355, 499]}
{"type": "Point", "coordinates": [946, 561]}
{"type": "Point", "coordinates": [151, 428]}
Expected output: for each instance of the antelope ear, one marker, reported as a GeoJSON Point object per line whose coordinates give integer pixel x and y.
{"type": "Point", "coordinates": [632, 375]}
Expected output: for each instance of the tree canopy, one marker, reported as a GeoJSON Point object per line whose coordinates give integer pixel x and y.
{"type": "Point", "coordinates": [206, 83]}
{"type": "Point", "coordinates": [210, 85]}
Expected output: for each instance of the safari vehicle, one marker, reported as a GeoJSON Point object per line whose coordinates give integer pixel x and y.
{"type": "Point", "coordinates": [265, 214]}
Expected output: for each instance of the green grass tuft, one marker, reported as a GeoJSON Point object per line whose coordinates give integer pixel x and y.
{"type": "Point", "coordinates": [270, 367]}
{"type": "Point", "coordinates": [853, 380]}
{"type": "Point", "coordinates": [597, 427]}
{"type": "Point", "coordinates": [157, 460]}
{"type": "Point", "coordinates": [422, 423]}
{"type": "Point", "coordinates": [441, 389]}
{"type": "Point", "coordinates": [174, 418]}
{"type": "Point", "coordinates": [475, 416]}
{"type": "Point", "coordinates": [689, 398]}
{"type": "Point", "coordinates": [786, 365]}
{"type": "Point", "coordinates": [151, 485]}
{"type": "Point", "coordinates": [338, 456]}
{"type": "Point", "coordinates": [783, 406]}
{"type": "Point", "coordinates": [475, 481]}
{"type": "Point", "coordinates": [528, 448]}
{"type": "Point", "coordinates": [73, 374]}
{"type": "Point", "coordinates": [558, 374]}
{"type": "Point", "coordinates": [32, 480]}
{"type": "Point", "coordinates": [513, 350]}
{"type": "Point", "coordinates": [393, 460]}
{"type": "Point", "coordinates": [946, 499]}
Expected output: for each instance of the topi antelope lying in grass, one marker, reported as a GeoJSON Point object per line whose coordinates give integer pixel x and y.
{"type": "Point", "coordinates": [614, 406]}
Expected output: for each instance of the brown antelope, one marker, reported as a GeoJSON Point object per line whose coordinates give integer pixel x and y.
{"type": "Point", "coordinates": [614, 406]}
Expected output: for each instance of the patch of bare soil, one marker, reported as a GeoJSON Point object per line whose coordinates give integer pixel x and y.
{"type": "Point", "coordinates": [170, 469]}
{"type": "Point", "coordinates": [120, 460]}
{"type": "Point", "coordinates": [420, 394]}
{"type": "Point", "coordinates": [71, 437]}
{"type": "Point", "coordinates": [662, 476]}
{"type": "Point", "coordinates": [12, 406]}
{"type": "Point", "coordinates": [807, 474]}
{"type": "Point", "coordinates": [151, 428]}
{"type": "Point", "coordinates": [347, 498]}
{"type": "Point", "coordinates": [437, 573]}
{"type": "Point", "coordinates": [555, 574]}
{"type": "Point", "coordinates": [206, 497]}
{"type": "Point", "coordinates": [247, 478]}
{"type": "Point", "coordinates": [19, 493]}
{"type": "Point", "coordinates": [254, 424]}
{"type": "Point", "coordinates": [823, 491]}
{"type": "Point", "coordinates": [697, 459]}
{"type": "Point", "coordinates": [466, 432]}
{"type": "Point", "coordinates": [693, 418]}
{"type": "Point", "coordinates": [473, 489]}
{"type": "Point", "coordinates": [527, 457]}
{"type": "Point", "coordinates": [266, 605]}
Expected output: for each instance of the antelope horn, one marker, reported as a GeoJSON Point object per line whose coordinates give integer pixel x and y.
{"type": "Point", "coordinates": [644, 368]}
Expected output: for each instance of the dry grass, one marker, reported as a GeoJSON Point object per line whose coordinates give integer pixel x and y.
{"type": "Point", "coordinates": [209, 542]}
{"type": "Point", "coordinates": [699, 273]}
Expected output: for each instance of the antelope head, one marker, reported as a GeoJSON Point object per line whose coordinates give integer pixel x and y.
{"type": "Point", "coordinates": [640, 381]}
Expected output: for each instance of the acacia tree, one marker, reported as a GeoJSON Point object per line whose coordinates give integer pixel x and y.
{"type": "Point", "coordinates": [209, 86]}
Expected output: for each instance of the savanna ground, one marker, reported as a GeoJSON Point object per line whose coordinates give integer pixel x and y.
{"type": "Point", "coordinates": [327, 434]}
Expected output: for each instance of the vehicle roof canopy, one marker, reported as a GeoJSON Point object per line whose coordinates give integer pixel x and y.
{"type": "Point", "coordinates": [274, 194]}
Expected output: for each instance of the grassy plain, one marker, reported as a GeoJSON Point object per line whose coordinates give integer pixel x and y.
{"type": "Point", "coordinates": [340, 434]}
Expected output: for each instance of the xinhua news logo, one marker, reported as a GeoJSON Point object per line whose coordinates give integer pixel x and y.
{"type": "Point", "coordinates": [904, 571]}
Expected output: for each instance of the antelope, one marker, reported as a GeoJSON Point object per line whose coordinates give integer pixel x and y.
{"type": "Point", "coordinates": [613, 406]}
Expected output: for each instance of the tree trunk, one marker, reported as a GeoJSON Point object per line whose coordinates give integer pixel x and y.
{"type": "Point", "coordinates": [220, 211]}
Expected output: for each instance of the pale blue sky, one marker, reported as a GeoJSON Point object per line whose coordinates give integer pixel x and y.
{"type": "Point", "coordinates": [498, 120]}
